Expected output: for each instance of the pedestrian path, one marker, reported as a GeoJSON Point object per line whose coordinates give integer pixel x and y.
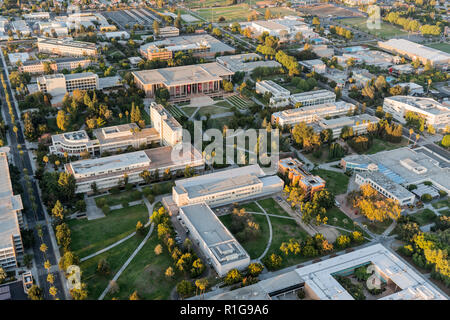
{"type": "Point", "coordinates": [270, 233]}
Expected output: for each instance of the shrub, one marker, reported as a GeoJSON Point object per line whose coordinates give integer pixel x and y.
{"type": "Point", "coordinates": [136, 195]}
{"type": "Point", "coordinates": [151, 198]}
{"type": "Point", "coordinates": [442, 193]}
{"type": "Point", "coordinates": [426, 197]}
{"type": "Point", "coordinates": [147, 191]}
{"type": "Point", "coordinates": [106, 209]}
{"type": "Point", "coordinates": [233, 276]}
{"type": "Point", "coordinates": [114, 190]}
{"type": "Point", "coordinates": [101, 202]}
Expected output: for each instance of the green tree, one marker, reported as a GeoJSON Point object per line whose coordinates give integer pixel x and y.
{"type": "Point", "coordinates": [35, 293]}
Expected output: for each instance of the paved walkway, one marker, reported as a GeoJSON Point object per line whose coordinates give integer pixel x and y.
{"type": "Point", "coordinates": [270, 233]}
{"type": "Point", "coordinates": [92, 211]}
{"type": "Point", "coordinates": [125, 265]}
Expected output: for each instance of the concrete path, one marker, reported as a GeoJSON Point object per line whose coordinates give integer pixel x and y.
{"type": "Point", "coordinates": [92, 211]}
{"type": "Point", "coordinates": [390, 228]}
{"type": "Point", "coordinates": [297, 216]}
{"type": "Point", "coordinates": [270, 233]}
{"type": "Point", "coordinates": [125, 265]}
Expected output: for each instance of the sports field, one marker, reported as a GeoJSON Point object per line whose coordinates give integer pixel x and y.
{"type": "Point", "coordinates": [386, 30]}
{"type": "Point", "coordinates": [238, 12]}
{"type": "Point", "coordinates": [440, 46]}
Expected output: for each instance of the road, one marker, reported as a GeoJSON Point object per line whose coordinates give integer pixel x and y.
{"type": "Point", "coordinates": [30, 217]}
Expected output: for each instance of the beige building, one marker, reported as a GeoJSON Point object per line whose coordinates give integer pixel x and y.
{"type": "Point", "coordinates": [67, 47]}
{"type": "Point", "coordinates": [59, 84]}
{"type": "Point", "coordinates": [170, 131]}
{"type": "Point", "coordinates": [184, 82]}
{"type": "Point", "coordinates": [109, 139]}
{"type": "Point", "coordinates": [57, 65]}
{"type": "Point", "coordinates": [11, 247]}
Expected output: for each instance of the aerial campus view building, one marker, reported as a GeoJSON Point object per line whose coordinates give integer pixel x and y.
{"type": "Point", "coordinates": [11, 220]}
{"type": "Point", "coordinates": [318, 280]}
{"type": "Point", "coordinates": [184, 82]}
{"type": "Point", "coordinates": [59, 84]}
{"type": "Point", "coordinates": [67, 47]}
{"type": "Point", "coordinates": [56, 65]}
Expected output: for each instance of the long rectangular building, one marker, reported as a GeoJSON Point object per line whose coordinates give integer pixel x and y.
{"type": "Point", "coordinates": [214, 239]}
{"type": "Point", "coordinates": [225, 187]}
{"type": "Point", "coordinates": [59, 84]}
{"type": "Point", "coordinates": [185, 81]}
{"type": "Point", "coordinates": [312, 113]}
{"type": "Point", "coordinates": [170, 130]}
{"type": "Point", "coordinates": [11, 247]}
{"type": "Point", "coordinates": [412, 50]}
{"type": "Point", "coordinates": [56, 65]}
{"type": "Point", "coordinates": [359, 124]}
{"type": "Point", "coordinates": [109, 171]}
{"type": "Point", "coordinates": [67, 47]}
{"type": "Point", "coordinates": [109, 139]}
{"type": "Point", "coordinates": [435, 113]}
{"type": "Point", "coordinates": [313, 98]}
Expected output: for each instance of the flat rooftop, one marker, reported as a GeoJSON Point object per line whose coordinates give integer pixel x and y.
{"type": "Point", "coordinates": [246, 62]}
{"type": "Point", "coordinates": [313, 95]}
{"type": "Point", "coordinates": [9, 204]}
{"type": "Point", "coordinates": [380, 179]}
{"type": "Point", "coordinates": [68, 42]}
{"type": "Point", "coordinates": [315, 110]}
{"type": "Point", "coordinates": [348, 121]}
{"type": "Point", "coordinates": [417, 49]}
{"type": "Point", "coordinates": [183, 74]}
{"type": "Point", "coordinates": [216, 236]}
{"type": "Point", "coordinates": [425, 104]}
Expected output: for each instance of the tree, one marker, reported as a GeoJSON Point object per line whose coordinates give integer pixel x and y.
{"type": "Point", "coordinates": [155, 28]}
{"type": "Point", "coordinates": [62, 120]}
{"type": "Point", "coordinates": [255, 269]}
{"type": "Point", "coordinates": [446, 141]}
{"type": "Point", "coordinates": [267, 15]}
{"type": "Point", "coordinates": [3, 275]}
{"type": "Point", "coordinates": [140, 228]}
{"type": "Point", "coordinates": [201, 284]}
{"type": "Point", "coordinates": [35, 293]}
{"type": "Point", "coordinates": [158, 249]}
{"type": "Point", "coordinates": [169, 272]}
{"type": "Point", "coordinates": [233, 276]}
{"type": "Point", "coordinates": [53, 291]}
{"type": "Point", "coordinates": [316, 21]}
{"type": "Point", "coordinates": [68, 259]}
{"type": "Point", "coordinates": [134, 296]}
{"type": "Point", "coordinates": [103, 267]}
{"type": "Point", "coordinates": [185, 288]}
{"type": "Point", "coordinates": [80, 293]}
{"type": "Point", "coordinates": [63, 235]}
{"type": "Point", "coordinates": [58, 211]}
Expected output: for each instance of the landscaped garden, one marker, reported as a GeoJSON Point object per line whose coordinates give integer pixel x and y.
{"type": "Point", "coordinates": [336, 182]}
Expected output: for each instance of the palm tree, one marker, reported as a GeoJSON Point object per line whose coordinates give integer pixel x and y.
{"type": "Point", "coordinates": [411, 131]}
{"type": "Point", "coordinates": [201, 284]}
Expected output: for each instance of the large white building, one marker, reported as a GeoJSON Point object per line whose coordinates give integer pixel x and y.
{"type": "Point", "coordinates": [11, 247]}
{"type": "Point", "coordinates": [225, 187]}
{"type": "Point", "coordinates": [170, 130]}
{"type": "Point", "coordinates": [313, 98]}
{"type": "Point", "coordinates": [20, 26]}
{"type": "Point", "coordinates": [413, 51]}
{"type": "Point", "coordinates": [318, 280]}
{"type": "Point", "coordinates": [435, 113]}
{"type": "Point", "coordinates": [57, 65]}
{"type": "Point", "coordinates": [279, 95]}
{"type": "Point", "coordinates": [108, 172]}
{"type": "Point", "coordinates": [50, 27]}
{"type": "Point", "coordinates": [109, 139]}
{"type": "Point", "coordinates": [358, 123]}
{"type": "Point", "coordinates": [66, 47]}
{"type": "Point", "coordinates": [59, 84]}
{"type": "Point", "coordinates": [216, 242]}
{"type": "Point", "coordinates": [312, 113]}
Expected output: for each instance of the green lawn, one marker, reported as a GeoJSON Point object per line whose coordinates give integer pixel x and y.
{"type": "Point", "coordinates": [251, 207]}
{"type": "Point", "coordinates": [145, 274]}
{"type": "Point", "coordinates": [342, 220]}
{"type": "Point", "coordinates": [218, 123]}
{"type": "Point", "coordinates": [378, 227]}
{"type": "Point", "coordinates": [272, 207]}
{"type": "Point", "coordinates": [335, 182]}
{"type": "Point", "coordinates": [278, 12]}
{"type": "Point", "coordinates": [91, 236]}
{"type": "Point", "coordinates": [115, 257]}
{"type": "Point", "coordinates": [382, 145]}
{"type": "Point", "coordinates": [424, 217]}
{"type": "Point", "coordinates": [257, 246]}
{"type": "Point", "coordinates": [442, 203]}
{"type": "Point", "coordinates": [387, 30]}
{"type": "Point", "coordinates": [440, 46]}
{"type": "Point", "coordinates": [189, 111]}
{"type": "Point", "coordinates": [115, 199]}
{"type": "Point", "coordinates": [213, 109]}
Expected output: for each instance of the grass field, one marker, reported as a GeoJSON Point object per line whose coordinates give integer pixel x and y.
{"type": "Point", "coordinates": [387, 30]}
{"type": "Point", "coordinates": [440, 46]}
{"type": "Point", "coordinates": [251, 207]}
{"type": "Point", "coordinates": [219, 122]}
{"type": "Point", "coordinates": [442, 203]}
{"type": "Point", "coordinates": [237, 12]}
{"type": "Point", "coordinates": [424, 217]}
{"type": "Point", "coordinates": [115, 199]}
{"type": "Point", "coordinates": [146, 275]}
{"type": "Point", "coordinates": [278, 12]}
{"type": "Point", "coordinates": [189, 111]}
{"type": "Point", "coordinates": [213, 109]}
{"type": "Point", "coordinates": [378, 227]}
{"type": "Point", "coordinates": [338, 218]}
{"type": "Point", "coordinates": [115, 257]}
{"type": "Point", "coordinates": [272, 207]}
{"type": "Point", "coordinates": [382, 145]}
{"type": "Point", "coordinates": [89, 236]}
{"type": "Point", "coordinates": [335, 182]}
{"type": "Point", "coordinates": [257, 246]}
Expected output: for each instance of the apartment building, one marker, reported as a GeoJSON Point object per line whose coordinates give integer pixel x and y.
{"type": "Point", "coordinates": [56, 65]}
{"type": "Point", "coordinates": [299, 176]}
{"type": "Point", "coordinates": [59, 84]}
{"type": "Point", "coordinates": [435, 113]}
{"type": "Point", "coordinates": [108, 172]}
{"type": "Point", "coordinates": [170, 131]}
{"type": "Point", "coordinates": [213, 238]}
{"type": "Point", "coordinates": [66, 47]}
{"type": "Point", "coordinates": [225, 187]}
{"type": "Point", "coordinates": [184, 82]}
{"type": "Point", "coordinates": [108, 139]}
{"type": "Point", "coordinates": [11, 247]}
{"type": "Point", "coordinates": [313, 98]}
{"type": "Point", "coordinates": [279, 95]}
{"type": "Point", "coordinates": [312, 113]}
